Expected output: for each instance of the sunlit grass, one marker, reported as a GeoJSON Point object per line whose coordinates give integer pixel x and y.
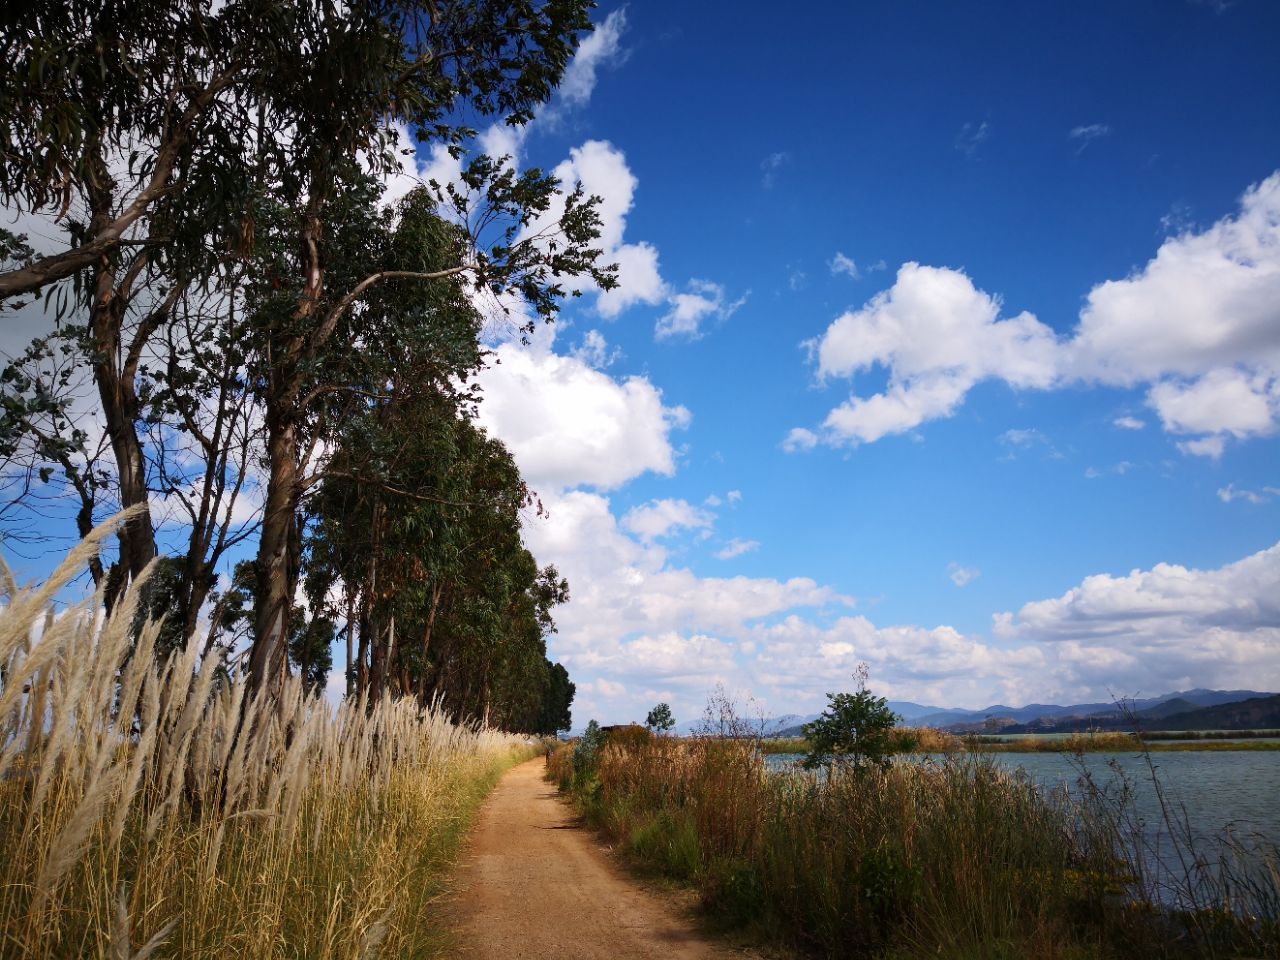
{"type": "Point", "coordinates": [954, 858]}
{"type": "Point", "coordinates": [145, 806]}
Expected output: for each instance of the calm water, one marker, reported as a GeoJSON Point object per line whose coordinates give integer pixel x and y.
{"type": "Point", "coordinates": [1238, 790]}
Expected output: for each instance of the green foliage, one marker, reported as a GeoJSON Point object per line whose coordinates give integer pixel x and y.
{"type": "Point", "coordinates": [310, 648]}
{"type": "Point", "coordinates": [669, 841]}
{"type": "Point", "coordinates": [292, 297]}
{"type": "Point", "coordinates": [660, 719]}
{"type": "Point", "coordinates": [856, 730]}
{"type": "Point", "coordinates": [587, 750]}
{"type": "Point", "coordinates": [557, 701]}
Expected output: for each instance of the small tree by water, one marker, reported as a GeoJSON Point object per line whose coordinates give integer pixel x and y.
{"type": "Point", "coordinates": [854, 730]}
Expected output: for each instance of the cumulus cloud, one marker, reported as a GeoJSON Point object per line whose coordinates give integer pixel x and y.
{"type": "Point", "coordinates": [1204, 300]}
{"type": "Point", "coordinates": [661, 518]}
{"type": "Point", "coordinates": [937, 335]}
{"type": "Point", "coordinates": [702, 300]}
{"type": "Point", "coordinates": [961, 575]}
{"type": "Point", "coordinates": [636, 618]}
{"type": "Point", "coordinates": [602, 171]}
{"type": "Point", "coordinates": [593, 350]}
{"type": "Point", "coordinates": [640, 629]}
{"type": "Point", "coordinates": [1129, 423]}
{"type": "Point", "coordinates": [1165, 628]}
{"type": "Point", "coordinates": [1226, 400]}
{"type": "Point", "coordinates": [1198, 326]}
{"type": "Point", "coordinates": [568, 424]}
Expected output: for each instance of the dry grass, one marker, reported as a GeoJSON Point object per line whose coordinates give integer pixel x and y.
{"type": "Point", "coordinates": [137, 818]}
{"type": "Point", "coordinates": [957, 858]}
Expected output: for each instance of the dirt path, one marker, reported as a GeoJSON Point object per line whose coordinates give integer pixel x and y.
{"type": "Point", "coordinates": [535, 884]}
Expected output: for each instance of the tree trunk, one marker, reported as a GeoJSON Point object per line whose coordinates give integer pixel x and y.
{"type": "Point", "coordinates": [351, 626]}
{"type": "Point", "coordinates": [119, 402]}
{"type": "Point", "coordinates": [436, 590]}
{"type": "Point", "coordinates": [384, 663]}
{"type": "Point", "coordinates": [268, 662]}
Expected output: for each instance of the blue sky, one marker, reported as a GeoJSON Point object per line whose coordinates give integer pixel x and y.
{"type": "Point", "coordinates": [1023, 155]}
{"type": "Point", "coordinates": [948, 340]}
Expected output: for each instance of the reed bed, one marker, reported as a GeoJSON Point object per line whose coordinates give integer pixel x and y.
{"type": "Point", "coordinates": [147, 809]}
{"type": "Point", "coordinates": [956, 858]}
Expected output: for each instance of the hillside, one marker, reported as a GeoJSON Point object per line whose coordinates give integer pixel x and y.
{"type": "Point", "coordinates": [1254, 713]}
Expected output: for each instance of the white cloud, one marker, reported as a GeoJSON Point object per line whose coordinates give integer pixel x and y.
{"type": "Point", "coordinates": [602, 48]}
{"type": "Point", "coordinates": [1226, 400]}
{"type": "Point", "coordinates": [568, 424]}
{"type": "Point", "coordinates": [1162, 629]}
{"type": "Point", "coordinates": [661, 518]}
{"type": "Point", "coordinates": [638, 624]}
{"type": "Point", "coordinates": [1211, 447]}
{"type": "Point", "coordinates": [1206, 306]}
{"type": "Point", "coordinates": [602, 171]}
{"type": "Point", "coordinates": [702, 300]}
{"type": "Point", "coordinates": [1230, 493]}
{"type": "Point", "coordinates": [961, 575]}
{"type": "Point", "coordinates": [639, 279]}
{"type": "Point", "coordinates": [1129, 423]}
{"type": "Point", "coordinates": [1198, 325]}
{"type": "Point", "coordinates": [593, 350]}
{"type": "Point", "coordinates": [938, 336]}
{"type": "Point", "coordinates": [734, 496]}
{"type": "Point", "coordinates": [635, 618]}
{"type": "Point", "coordinates": [841, 264]}
{"type": "Point", "coordinates": [799, 439]}
{"type": "Point", "coordinates": [736, 548]}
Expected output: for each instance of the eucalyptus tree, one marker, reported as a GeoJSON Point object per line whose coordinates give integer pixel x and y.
{"type": "Point", "coordinates": [413, 540]}
{"type": "Point", "coordinates": [185, 147]}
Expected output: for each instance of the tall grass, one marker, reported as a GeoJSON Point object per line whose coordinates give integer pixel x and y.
{"type": "Point", "coordinates": [960, 858]}
{"type": "Point", "coordinates": [147, 809]}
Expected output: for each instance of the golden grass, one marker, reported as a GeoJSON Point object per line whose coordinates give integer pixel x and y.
{"type": "Point", "coordinates": [957, 857]}
{"type": "Point", "coordinates": [138, 818]}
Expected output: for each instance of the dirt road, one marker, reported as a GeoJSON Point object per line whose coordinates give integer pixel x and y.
{"type": "Point", "coordinates": [535, 884]}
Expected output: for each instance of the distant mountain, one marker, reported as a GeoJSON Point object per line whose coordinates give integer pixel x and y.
{"type": "Point", "coordinates": [912, 711]}
{"type": "Point", "coordinates": [1034, 716]}
{"type": "Point", "coordinates": [1179, 713]}
{"type": "Point", "coordinates": [1044, 716]}
{"type": "Point", "coordinates": [1256, 713]}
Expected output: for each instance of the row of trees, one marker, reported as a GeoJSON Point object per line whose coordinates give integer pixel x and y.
{"type": "Point", "coordinates": [275, 356]}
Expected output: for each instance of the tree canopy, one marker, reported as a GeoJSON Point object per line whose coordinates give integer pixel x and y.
{"type": "Point", "coordinates": [274, 351]}
{"type": "Point", "coordinates": [854, 731]}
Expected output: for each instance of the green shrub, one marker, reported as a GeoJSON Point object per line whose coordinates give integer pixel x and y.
{"type": "Point", "coordinates": [667, 840]}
